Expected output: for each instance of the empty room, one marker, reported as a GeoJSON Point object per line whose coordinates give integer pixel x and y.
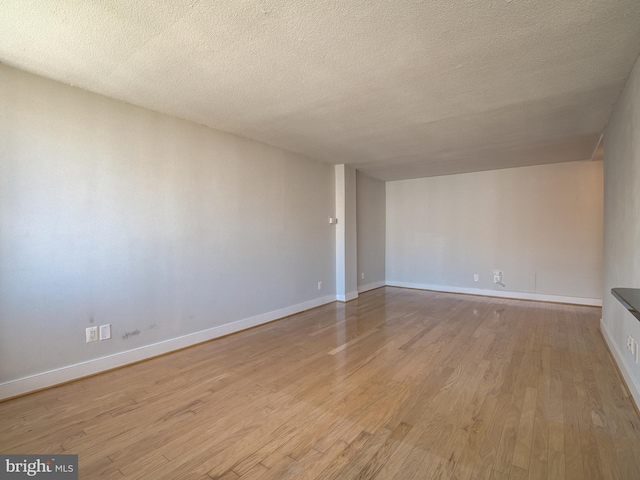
{"type": "Point", "coordinates": [320, 240]}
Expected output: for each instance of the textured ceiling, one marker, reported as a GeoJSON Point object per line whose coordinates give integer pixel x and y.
{"type": "Point", "coordinates": [399, 89]}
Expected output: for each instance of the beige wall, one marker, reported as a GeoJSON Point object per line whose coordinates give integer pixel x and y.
{"type": "Point", "coordinates": [622, 225]}
{"type": "Point", "coordinates": [541, 225]}
{"type": "Point", "coordinates": [111, 213]}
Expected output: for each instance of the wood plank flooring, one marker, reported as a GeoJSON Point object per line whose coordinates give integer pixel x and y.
{"type": "Point", "coordinates": [400, 384]}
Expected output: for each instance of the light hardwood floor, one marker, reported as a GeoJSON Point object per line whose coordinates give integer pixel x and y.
{"type": "Point", "coordinates": [399, 384]}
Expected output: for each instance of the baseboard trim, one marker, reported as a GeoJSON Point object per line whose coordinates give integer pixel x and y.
{"type": "Point", "coordinates": [22, 386]}
{"type": "Point", "coordinates": [592, 302]}
{"type": "Point", "coordinates": [348, 297]}
{"type": "Point", "coordinates": [629, 380]}
{"type": "Point", "coordinates": [370, 286]}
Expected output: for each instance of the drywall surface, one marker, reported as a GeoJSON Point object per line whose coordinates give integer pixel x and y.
{"type": "Point", "coordinates": [622, 222]}
{"type": "Point", "coordinates": [346, 233]}
{"type": "Point", "coordinates": [111, 213]}
{"type": "Point", "coordinates": [371, 213]}
{"type": "Point", "coordinates": [540, 225]}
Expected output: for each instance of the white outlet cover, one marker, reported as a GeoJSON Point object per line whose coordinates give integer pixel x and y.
{"type": "Point", "coordinates": [91, 334]}
{"type": "Point", "coordinates": [105, 332]}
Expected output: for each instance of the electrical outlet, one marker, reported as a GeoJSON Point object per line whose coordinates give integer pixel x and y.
{"type": "Point", "coordinates": [476, 277]}
{"type": "Point", "coordinates": [91, 334]}
{"type": "Point", "coordinates": [319, 285]}
{"type": "Point", "coordinates": [632, 347]}
{"type": "Point", "coordinates": [105, 332]}
{"type": "Point", "coordinates": [362, 276]}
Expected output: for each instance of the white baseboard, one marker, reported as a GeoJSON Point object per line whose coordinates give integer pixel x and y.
{"type": "Point", "coordinates": [348, 297]}
{"type": "Point", "coordinates": [91, 367]}
{"type": "Point", "coordinates": [629, 379]}
{"type": "Point", "coordinates": [593, 302]}
{"type": "Point", "coordinates": [370, 286]}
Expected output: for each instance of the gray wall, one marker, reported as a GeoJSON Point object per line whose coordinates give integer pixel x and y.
{"type": "Point", "coordinates": [541, 225]}
{"type": "Point", "coordinates": [622, 223]}
{"type": "Point", "coordinates": [111, 213]}
{"type": "Point", "coordinates": [371, 214]}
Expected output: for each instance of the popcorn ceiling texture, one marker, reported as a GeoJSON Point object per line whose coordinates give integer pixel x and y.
{"type": "Point", "coordinates": [397, 89]}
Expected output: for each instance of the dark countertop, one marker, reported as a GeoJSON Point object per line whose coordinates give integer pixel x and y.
{"type": "Point", "coordinates": [630, 298]}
